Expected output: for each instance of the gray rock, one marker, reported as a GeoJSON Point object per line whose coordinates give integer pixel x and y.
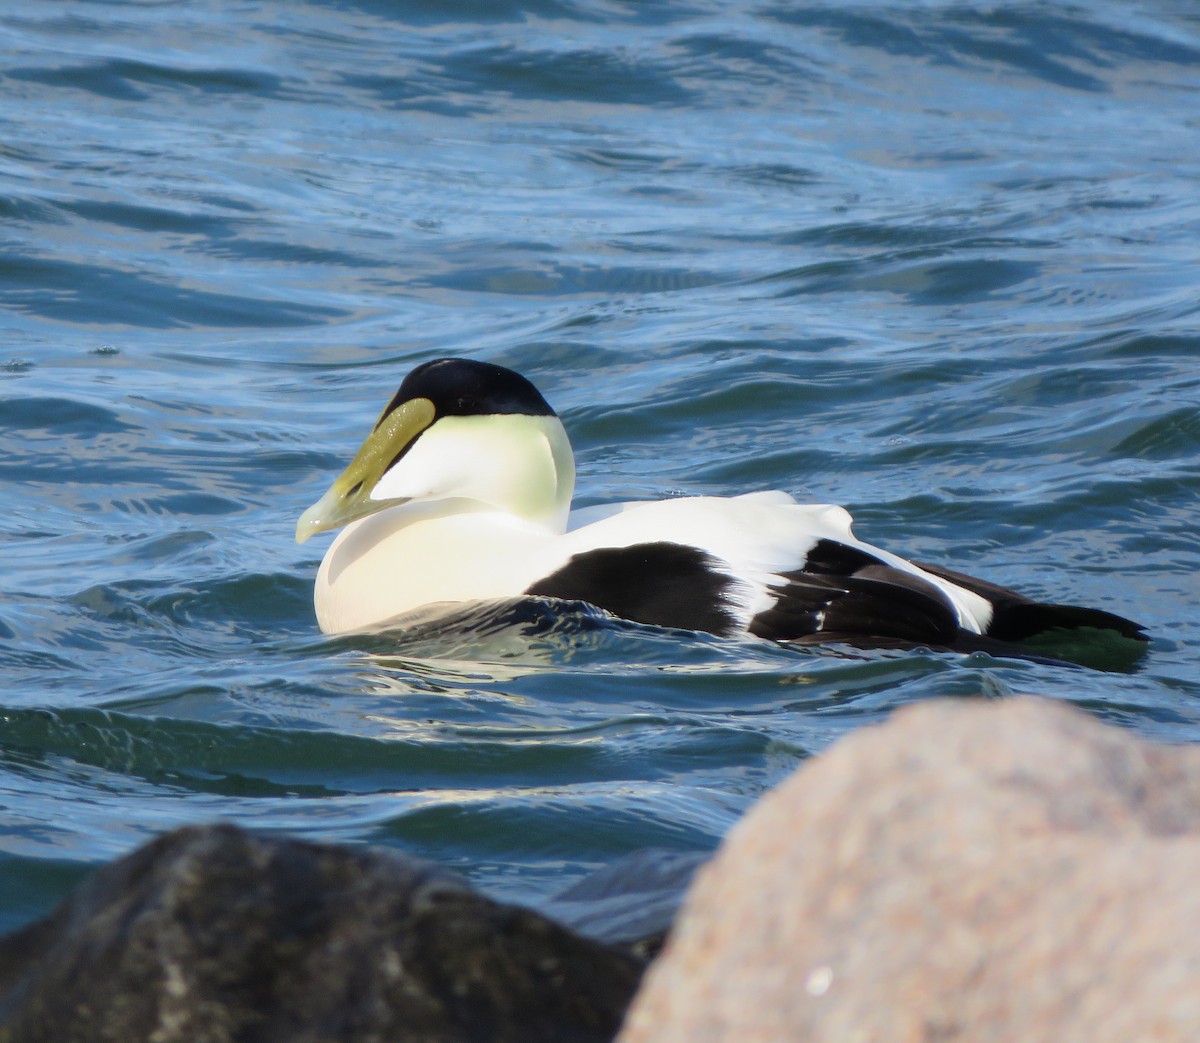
{"type": "Point", "coordinates": [215, 935]}
{"type": "Point", "coordinates": [974, 871]}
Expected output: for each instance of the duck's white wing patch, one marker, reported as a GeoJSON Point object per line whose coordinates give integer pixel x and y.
{"type": "Point", "coordinates": [584, 516]}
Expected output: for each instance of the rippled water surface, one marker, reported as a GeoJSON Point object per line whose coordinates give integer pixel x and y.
{"type": "Point", "coordinates": [936, 262]}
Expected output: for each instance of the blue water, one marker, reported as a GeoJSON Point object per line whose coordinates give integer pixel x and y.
{"type": "Point", "coordinates": [935, 262]}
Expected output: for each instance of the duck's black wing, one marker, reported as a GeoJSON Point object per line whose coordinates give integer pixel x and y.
{"type": "Point", "coordinates": [840, 594]}
{"type": "Point", "coordinates": [843, 593]}
{"type": "Point", "coordinates": [1018, 618]}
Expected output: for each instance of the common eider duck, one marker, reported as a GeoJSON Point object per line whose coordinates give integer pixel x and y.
{"type": "Point", "coordinates": [462, 492]}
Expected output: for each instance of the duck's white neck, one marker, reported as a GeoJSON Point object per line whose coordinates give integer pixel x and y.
{"type": "Point", "coordinates": [522, 465]}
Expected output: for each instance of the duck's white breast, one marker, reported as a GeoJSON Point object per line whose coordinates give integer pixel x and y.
{"type": "Point", "coordinates": [419, 554]}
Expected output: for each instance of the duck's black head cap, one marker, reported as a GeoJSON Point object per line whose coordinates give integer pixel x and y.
{"type": "Point", "coordinates": [465, 387]}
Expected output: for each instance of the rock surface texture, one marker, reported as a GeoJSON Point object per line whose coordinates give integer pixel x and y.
{"type": "Point", "coordinates": [215, 935]}
{"type": "Point", "coordinates": [970, 871]}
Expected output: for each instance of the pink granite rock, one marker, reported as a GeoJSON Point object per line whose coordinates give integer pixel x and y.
{"type": "Point", "coordinates": [974, 871]}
